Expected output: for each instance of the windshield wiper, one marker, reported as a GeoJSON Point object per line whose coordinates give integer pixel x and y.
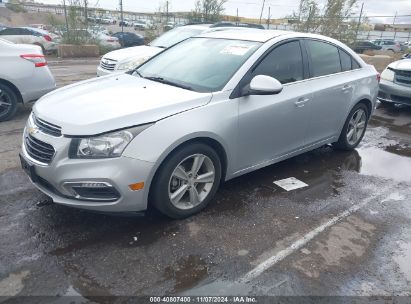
{"type": "Point", "coordinates": [169, 82]}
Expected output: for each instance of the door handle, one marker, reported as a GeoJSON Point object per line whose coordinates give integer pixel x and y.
{"type": "Point", "coordinates": [301, 102]}
{"type": "Point", "coordinates": [346, 87]}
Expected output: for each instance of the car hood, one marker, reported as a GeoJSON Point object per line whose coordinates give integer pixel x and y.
{"type": "Point", "coordinates": [113, 102]}
{"type": "Point", "coordinates": [403, 65]}
{"type": "Point", "coordinates": [133, 52]}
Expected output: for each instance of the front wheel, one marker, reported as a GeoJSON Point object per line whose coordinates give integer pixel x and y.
{"type": "Point", "coordinates": [354, 128]}
{"type": "Point", "coordinates": [187, 181]}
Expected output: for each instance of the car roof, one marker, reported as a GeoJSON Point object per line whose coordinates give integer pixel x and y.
{"type": "Point", "coordinates": [257, 35]}
{"type": "Point", "coordinates": [249, 34]}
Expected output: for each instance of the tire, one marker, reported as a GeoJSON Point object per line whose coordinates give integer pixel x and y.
{"type": "Point", "coordinates": [193, 197]}
{"type": "Point", "coordinates": [349, 142]}
{"type": "Point", "coordinates": [8, 102]}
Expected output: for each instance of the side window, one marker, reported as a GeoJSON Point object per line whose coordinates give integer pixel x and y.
{"type": "Point", "coordinates": [345, 61]}
{"type": "Point", "coordinates": [285, 63]}
{"type": "Point", "coordinates": [325, 58]}
{"type": "Point", "coordinates": [9, 31]}
{"type": "Point", "coordinates": [355, 64]}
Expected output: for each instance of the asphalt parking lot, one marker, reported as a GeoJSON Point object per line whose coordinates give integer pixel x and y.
{"type": "Point", "coordinates": [348, 233]}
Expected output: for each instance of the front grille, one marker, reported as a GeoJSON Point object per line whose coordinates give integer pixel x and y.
{"type": "Point", "coordinates": [47, 127]}
{"type": "Point", "coordinates": [403, 77]}
{"type": "Point", "coordinates": [108, 64]}
{"type": "Point", "coordinates": [39, 150]}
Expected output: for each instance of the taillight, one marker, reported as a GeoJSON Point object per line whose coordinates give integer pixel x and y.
{"type": "Point", "coordinates": [38, 60]}
{"type": "Point", "coordinates": [379, 77]}
{"type": "Point", "coordinates": [48, 38]}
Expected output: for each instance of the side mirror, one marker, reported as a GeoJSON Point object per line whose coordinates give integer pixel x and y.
{"type": "Point", "coordinates": [264, 85]}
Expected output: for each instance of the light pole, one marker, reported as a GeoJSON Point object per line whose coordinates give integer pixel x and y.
{"type": "Point", "coordinates": [121, 13]}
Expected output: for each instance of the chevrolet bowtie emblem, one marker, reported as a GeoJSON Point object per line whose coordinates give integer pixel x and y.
{"type": "Point", "coordinates": [32, 130]}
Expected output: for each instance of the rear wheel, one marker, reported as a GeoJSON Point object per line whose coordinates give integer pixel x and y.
{"type": "Point", "coordinates": [8, 102]}
{"type": "Point", "coordinates": [354, 128]}
{"type": "Point", "coordinates": [187, 181]}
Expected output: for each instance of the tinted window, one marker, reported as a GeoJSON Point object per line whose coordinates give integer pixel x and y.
{"type": "Point", "coordinates": [325, 58]}
{"type": "Point", "coordinates": [285, 63]}
{"type": "Point", "coordinates": [355, 64]}
{"type": "Point", "coordinates": [389, 43]}
{"type": "Point", "coordinates": [345, 61]}
{"type": "Point", "coordinates": [10, 31]}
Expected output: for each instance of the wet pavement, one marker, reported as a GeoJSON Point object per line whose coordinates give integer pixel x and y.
{"type": "Point", "coordinates": [347, 233]}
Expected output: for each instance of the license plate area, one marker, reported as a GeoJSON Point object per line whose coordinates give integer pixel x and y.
{"type": "Point", "coordinates": [29, 169]}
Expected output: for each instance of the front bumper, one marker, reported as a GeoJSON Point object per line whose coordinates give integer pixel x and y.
{"type": "Point", "coordinates": [394, 93]}
{"type": "Point", "coordinates": [52, 179]}
{"type": "Point", "coordinates": [103, 72]}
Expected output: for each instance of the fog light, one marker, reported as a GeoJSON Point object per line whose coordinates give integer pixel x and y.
{"type": "Point", "coordinates": [93, 191]}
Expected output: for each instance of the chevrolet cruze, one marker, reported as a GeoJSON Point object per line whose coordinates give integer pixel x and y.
{"type": "Point", "coordinates": [204, 111]}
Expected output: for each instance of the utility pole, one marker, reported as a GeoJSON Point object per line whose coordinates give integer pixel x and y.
{"type": "Point", "coordinates": [393, 24]}
{"type": "Point", "coordinates": [237, 17]}
{"type": "Point", "coordinates": [269, 16]}
{"type": "Point", "coordinates": [122, 16]}
{"type": "Point", "coordinates": [359, 23]}
{"type": "Point", "coordinates": [167, 12]}
{"type": "Point", "coordinates": [262, 9]}
{"type": "Point", "coordinates": [65, 16]}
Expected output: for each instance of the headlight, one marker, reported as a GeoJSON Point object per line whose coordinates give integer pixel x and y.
{"type": "Point", "coordinates": [131, 64]}
{"type": "Point", "coordinates": [108, 145]}
{"type": "Point", "coordinates": [388, 75]}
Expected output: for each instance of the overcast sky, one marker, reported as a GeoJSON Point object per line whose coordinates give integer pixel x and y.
{"type": "Point", "coordinates": [252, 8]}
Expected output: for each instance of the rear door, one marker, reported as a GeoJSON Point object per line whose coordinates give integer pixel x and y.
{"type": "Point", "coordinates": [332, 85]}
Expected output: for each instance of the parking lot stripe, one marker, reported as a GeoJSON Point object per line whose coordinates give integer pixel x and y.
{"type": "Point", "coordinates": [270, 262]}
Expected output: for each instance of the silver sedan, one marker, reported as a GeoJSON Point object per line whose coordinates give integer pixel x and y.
{"type": "Point", "coordinates": [204, 111]}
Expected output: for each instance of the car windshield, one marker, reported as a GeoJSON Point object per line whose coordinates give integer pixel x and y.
{"type": "Point", "coordinates": [199, 64]}
{"type": "Point", "coordinates": [175, 36]}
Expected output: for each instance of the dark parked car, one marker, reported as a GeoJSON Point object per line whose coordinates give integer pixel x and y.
{"type": "Point", "coordinates": [235, 24]}
{"type": "Point", "coordinates": [129, 39]}
{"type": "Point", "coordinates": [362, 46]}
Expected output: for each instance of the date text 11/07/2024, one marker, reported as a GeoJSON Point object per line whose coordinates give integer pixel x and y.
{"type": "Point", "coordinates": [203, 299]}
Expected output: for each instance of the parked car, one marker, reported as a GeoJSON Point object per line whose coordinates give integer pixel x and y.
{"type": "Point", "coordinates": [362, 46]}
{"type": "Point", "coordinates": [239, 24]}
{"type": "Point", "coordinates": [140, 25]}
{"type": "Point", "coordinates": [126, 59]}
{"type": "Point", "coordinates": [128, 39]}
{"type": "Point", "coordinates": [24, 76]}
{"type": "Point", "coordinates": [388, 45]}
{"type": "Point", "coordinates": [107, 41]}
{"type": "Point", "coordinates": [395, 86]}
{"type": "Point", "coordinates": [125, 23]}
{"type": "Point", "coordinates": [28, 35]}
{"type": "Point", "coordinates": [204, 111]}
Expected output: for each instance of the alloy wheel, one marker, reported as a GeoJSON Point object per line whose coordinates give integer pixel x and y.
{"type": "Point", "coordinates": [356, 127]}
{"type": "Point", "coordinates": [5, 103]}
{"type": "Point", "coordinates": [191, 181]}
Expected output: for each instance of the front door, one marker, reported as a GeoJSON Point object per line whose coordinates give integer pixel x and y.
{"type": "Point", "coordinates": [274, 125]}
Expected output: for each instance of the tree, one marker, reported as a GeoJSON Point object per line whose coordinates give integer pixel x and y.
{"type": "Point", "coordinates": [207, 11]}
{"type": "Point", "coordinates": [335, 20]}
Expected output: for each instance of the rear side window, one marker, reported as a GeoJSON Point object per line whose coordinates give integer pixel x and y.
{"type": "Point", "coordinates": [285, 63]}
{"type": "Point", "coordinates": [346, 61]}
{"type": "Point", "coordinates": [325, 58]}
{"type": "Point", "coordinates": [9, 31]}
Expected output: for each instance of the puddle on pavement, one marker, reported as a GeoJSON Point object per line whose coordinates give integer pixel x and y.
{"type": "Point", "coordinates": [384, 164]}
{"type": "Point", "coordinates": [187, 272]}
